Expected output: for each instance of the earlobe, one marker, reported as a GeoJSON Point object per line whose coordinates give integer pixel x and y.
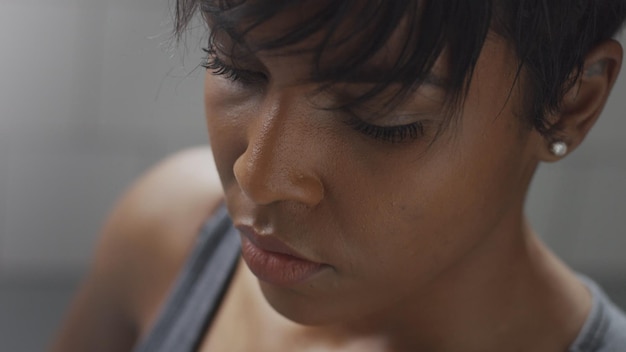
{"type": "Point", "coordinates": [583, 103]}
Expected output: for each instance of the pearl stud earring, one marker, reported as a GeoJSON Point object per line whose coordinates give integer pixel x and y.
{"type": "Point", "coordinates": [558, 148]}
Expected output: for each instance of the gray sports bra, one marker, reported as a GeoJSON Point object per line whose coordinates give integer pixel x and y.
{"type": "Point", "coordinates": [205, 277]}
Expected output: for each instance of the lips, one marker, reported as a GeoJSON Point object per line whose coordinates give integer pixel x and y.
{"type": "Point", "coordinates": [272, 261]}
{"type": "Point", "coordinates": [269, 243]}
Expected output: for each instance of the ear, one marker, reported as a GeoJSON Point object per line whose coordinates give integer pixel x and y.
{"type": "Point", "coordinates": [584, 102]}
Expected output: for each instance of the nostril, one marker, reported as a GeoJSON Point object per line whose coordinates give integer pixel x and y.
{"type": "Point", "coordinates": [311, 189]}
{"type": "Point", "coordinates": [244, 175]}
{"type": "Point", "coordinates": [265, 182]}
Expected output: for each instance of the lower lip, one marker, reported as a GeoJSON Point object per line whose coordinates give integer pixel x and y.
{"type": "Point", "coordinates": [277, 268]}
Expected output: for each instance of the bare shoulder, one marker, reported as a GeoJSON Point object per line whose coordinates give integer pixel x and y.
{"type": "Point", "coordinates": [157, 221]}
{"type": "Point", "coordinates": [143, 245]}
{"type": "Point", "coordinates": [176, 195]}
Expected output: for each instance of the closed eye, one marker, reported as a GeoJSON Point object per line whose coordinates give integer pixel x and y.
{"type": "Point", "coordinates": [218, 67]}
{"type": "Point", "coordinates": [390, 134]}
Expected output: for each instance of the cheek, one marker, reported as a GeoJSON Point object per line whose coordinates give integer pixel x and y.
{"type": "Point", "coordinates": [422, 214]}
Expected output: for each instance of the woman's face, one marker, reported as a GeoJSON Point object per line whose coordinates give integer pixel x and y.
{"type": "Point", "coordinates": [387, 219]}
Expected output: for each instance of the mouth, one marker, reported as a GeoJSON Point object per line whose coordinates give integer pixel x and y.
{"type": "Point", "coordinates": [273, 261]}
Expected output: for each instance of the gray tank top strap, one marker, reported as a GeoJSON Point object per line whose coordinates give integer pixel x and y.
{"type": "Point", "coordinates": [605, 328]}
{"type": "Point", "coordinates": [197, 293]}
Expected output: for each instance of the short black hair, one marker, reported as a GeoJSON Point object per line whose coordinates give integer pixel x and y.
{"type": "Point", "coordinates": [550, 37]}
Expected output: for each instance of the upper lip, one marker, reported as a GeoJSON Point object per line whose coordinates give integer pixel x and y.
{"type": "Point", "coordinates": [268, 242]}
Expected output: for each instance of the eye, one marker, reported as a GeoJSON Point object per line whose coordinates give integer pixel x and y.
{"type": "Point", "coordinates": [217, 67]}
{"type": "Point", "coordinates": [389, 134]}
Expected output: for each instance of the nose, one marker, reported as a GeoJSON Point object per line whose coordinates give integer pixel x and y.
{"type": "Point", "coordinates": [279, 163]}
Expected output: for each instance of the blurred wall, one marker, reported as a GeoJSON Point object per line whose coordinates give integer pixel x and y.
{"type": "Point", "coordinates": [90, 96]}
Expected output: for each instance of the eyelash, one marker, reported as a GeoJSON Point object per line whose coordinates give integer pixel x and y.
{"type": "Point", "coordinates": [389, 134]}
{"type": "Point", "coordinates": [213, 63]}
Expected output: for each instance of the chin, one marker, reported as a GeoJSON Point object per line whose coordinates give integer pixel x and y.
{"type": "Point", "coordinates": [301, 308]}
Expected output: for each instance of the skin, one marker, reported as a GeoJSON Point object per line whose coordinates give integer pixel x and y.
{"type": "Point", "coordinates": [427, 243]}
{"type": "Point", "coordinates": [412, 231]}
{"type": "Point", "coordinates": [142, 247]}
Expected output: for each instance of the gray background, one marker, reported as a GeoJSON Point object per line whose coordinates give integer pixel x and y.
{"type": "Point", "coordinates": [91, 94]}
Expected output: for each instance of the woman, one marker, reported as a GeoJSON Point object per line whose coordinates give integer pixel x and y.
{"type": "Point", "coordinates": [374, 158]}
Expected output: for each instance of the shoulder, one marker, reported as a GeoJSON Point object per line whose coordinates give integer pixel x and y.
{"type": "Point", "coordinates": [142, 246]}
{"type": "Point", "coordinates": [155, 223]}
{"type": "Point", "coordinates": [183, 185]}
{"type": "Point", "coordinates": [605, 328]}
{"type": "Point", "coordinates": [175, 196]}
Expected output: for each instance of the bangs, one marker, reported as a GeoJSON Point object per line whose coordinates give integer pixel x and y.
{"type": "Point", "coordinates": [550, 38]}
{"type": "Point", "coordinates": [418, 32]}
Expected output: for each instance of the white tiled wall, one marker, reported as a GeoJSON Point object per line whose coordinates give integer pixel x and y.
{"type": "Point", "coordinates": [90, 97]}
